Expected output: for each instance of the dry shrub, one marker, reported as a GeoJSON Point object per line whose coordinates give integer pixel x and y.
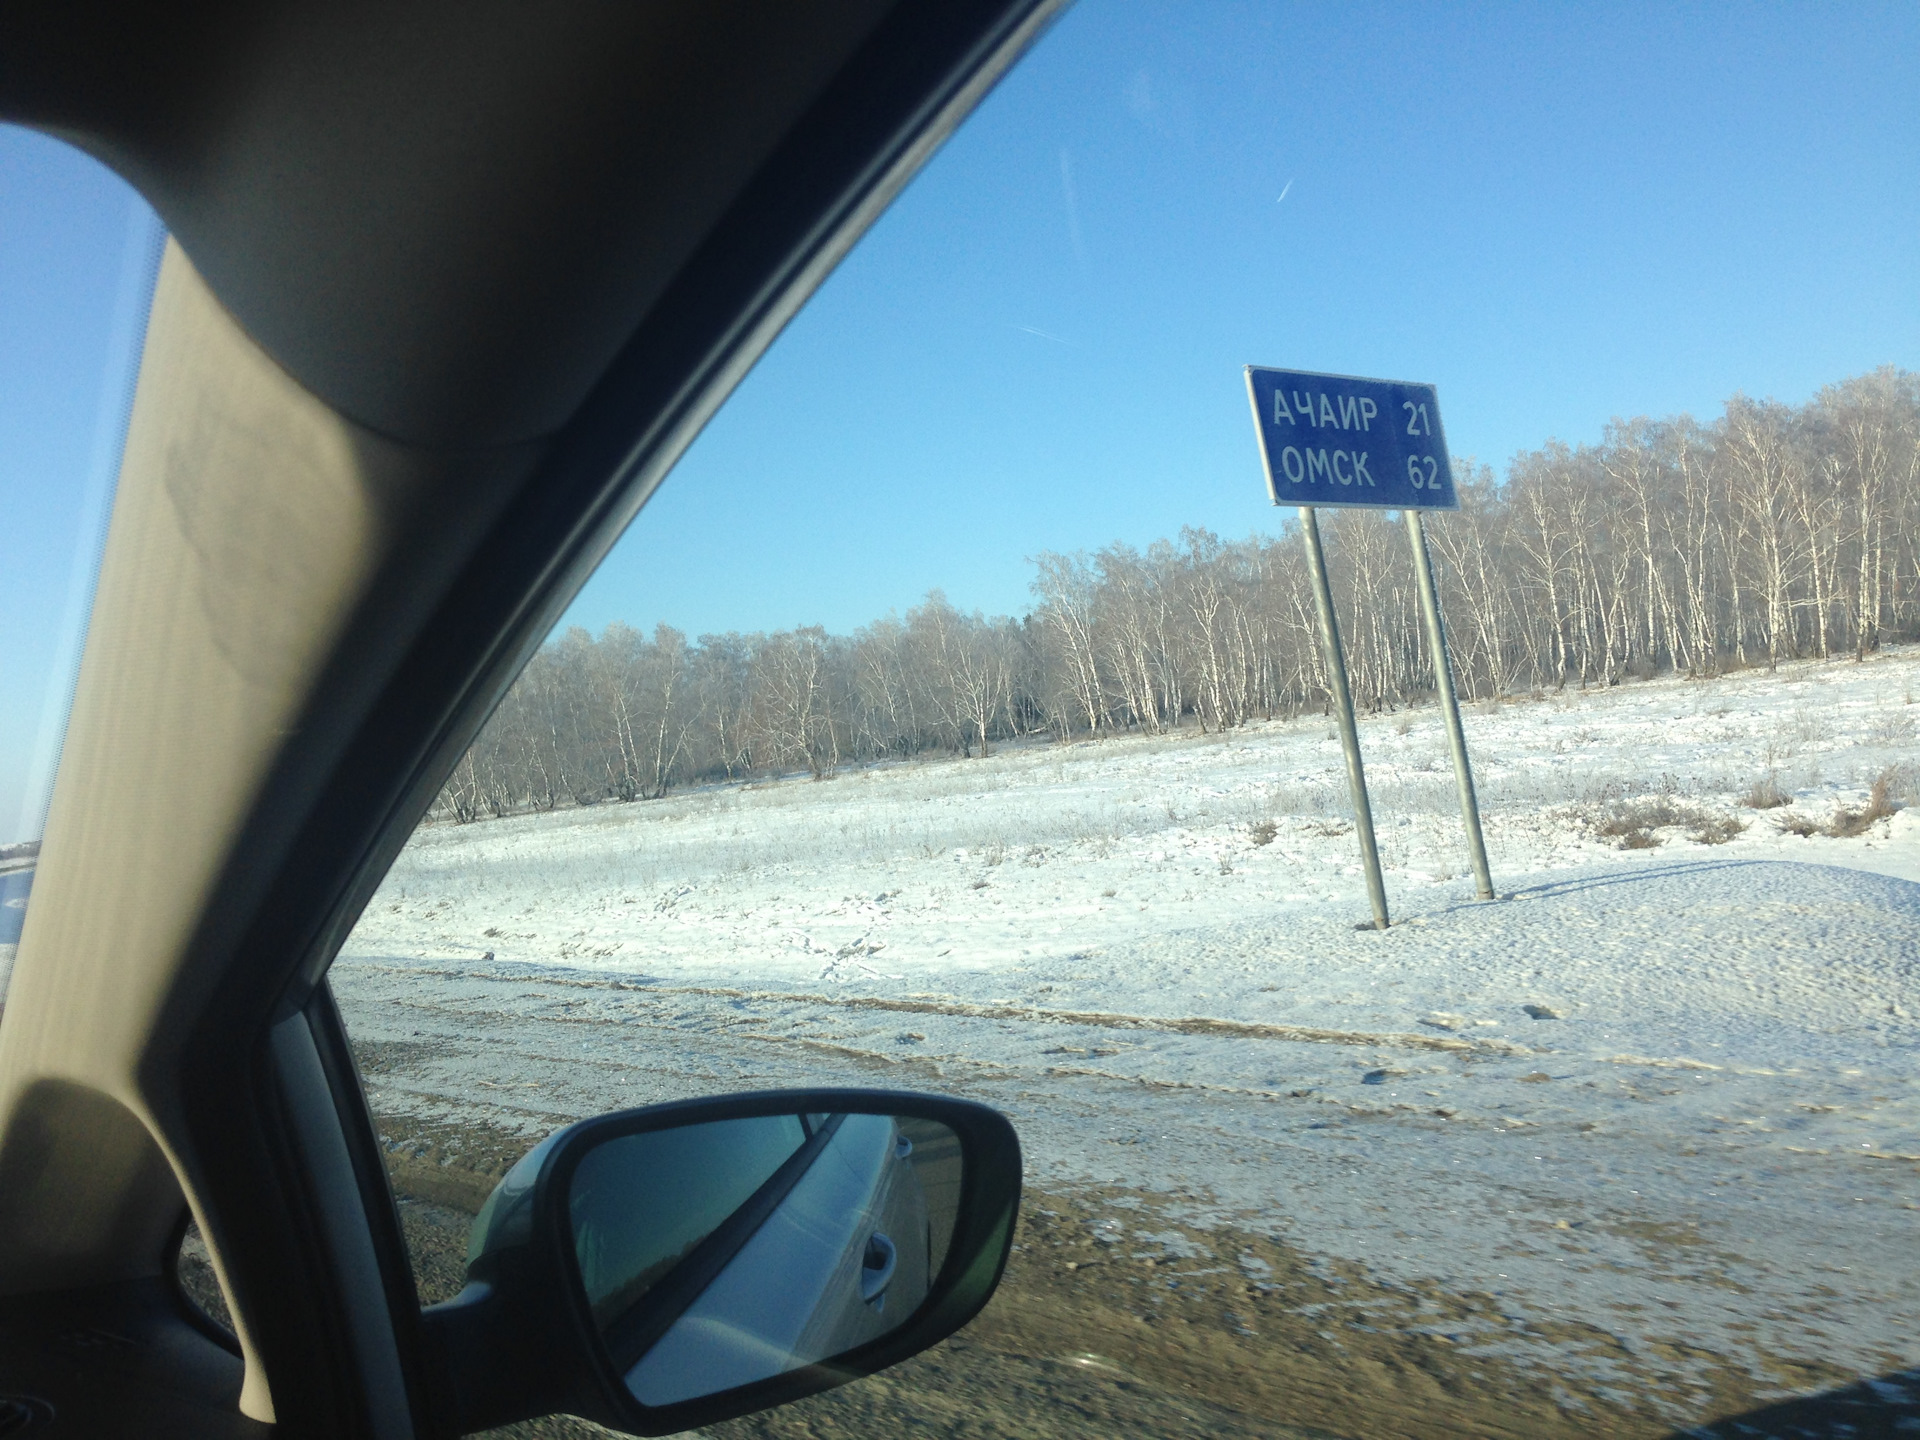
{"type": "Point", "coordinates": [1808, 726]}
{"type": "Point", "coordinates": [1766, 794]}
{"type": "Point", "coordinates": [1622, 817]}
{"type": "Point", "coordinates": [1716, 831]}
{"type": "Point", "coordinates": [1631, 822]}
{"type": "Point", "coordinates": [1799, 825]}
{"type": "Point", "coordinates": [1882, 801]}
{"type": "Point", "coordinates": [1892, 727]}
{"type": "Point", "coordinates": [1263, 832]}
{"type": "Point", "coordinates": [1848, 823]}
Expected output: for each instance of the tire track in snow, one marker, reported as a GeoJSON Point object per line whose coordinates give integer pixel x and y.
{"type": "Point", "coordinates": [1095, 1019]}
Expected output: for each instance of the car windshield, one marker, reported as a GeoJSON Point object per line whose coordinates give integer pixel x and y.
{"type": "Point", "coordinates": [959, 717]}
{"type": "Point", "coordinates": [992, 703]}
{"type": "Point", "coordinates": [79, 251]}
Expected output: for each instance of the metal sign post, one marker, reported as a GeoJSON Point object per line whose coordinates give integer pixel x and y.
{"type": "Point", "coordinates": [1343, 709]}
{"type": "Point", "coordinates": [1449, 705]}
{"type": "Point", "coordinates": [1343, 441]}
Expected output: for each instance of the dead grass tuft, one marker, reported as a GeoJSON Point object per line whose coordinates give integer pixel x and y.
{"type": "Point", "coordinates": [1766, 794]}
{"type": "Point", "coordinates": [1892, 727]}
{"type": "Point", "coordinates": [1717, 831]}
{"type": "Point", "coordinates": [1882, 801]}
{"type": "Point", "coordinates": [1631, 822]}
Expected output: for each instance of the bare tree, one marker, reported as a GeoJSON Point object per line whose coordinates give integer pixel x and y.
{"type": "Point", "coordinates": [1672, 544]}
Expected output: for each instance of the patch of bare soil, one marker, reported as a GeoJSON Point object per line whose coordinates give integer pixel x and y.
{"type": "Point", "coordinates": [1200, 1334]}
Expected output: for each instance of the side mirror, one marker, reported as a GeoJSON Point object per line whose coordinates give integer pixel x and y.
{"type": "Point", "coordinates": [660, 1269]}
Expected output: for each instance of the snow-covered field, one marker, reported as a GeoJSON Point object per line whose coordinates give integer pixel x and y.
{"type": "Point", "coordinates": [1661, 1102]}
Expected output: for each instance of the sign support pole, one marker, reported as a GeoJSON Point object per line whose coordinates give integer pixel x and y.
{"type": "Point", "coordinates": [1343, 709]}
{"type": "Point", "coordinates": [1449, 704]}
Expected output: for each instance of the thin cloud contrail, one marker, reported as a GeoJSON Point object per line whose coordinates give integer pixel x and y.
{"type": "Point", "coordinates": [1073, 209]}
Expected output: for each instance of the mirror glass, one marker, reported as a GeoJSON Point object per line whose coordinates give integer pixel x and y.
{"type": "Point", "coordinates": [728, 1251]}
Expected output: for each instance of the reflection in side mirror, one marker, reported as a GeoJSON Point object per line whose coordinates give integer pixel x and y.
{"type": "Point", "coordinates": [715, 1255]}
{"type": "Point", "coordinates": [670, 1267]}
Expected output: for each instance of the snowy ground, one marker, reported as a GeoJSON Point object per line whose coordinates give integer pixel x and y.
{"type": "Point", "coordinates": [1660, 1102]}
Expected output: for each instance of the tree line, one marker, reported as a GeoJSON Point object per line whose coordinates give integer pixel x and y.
{"type": "Point", "coordinates": [1672, 545]}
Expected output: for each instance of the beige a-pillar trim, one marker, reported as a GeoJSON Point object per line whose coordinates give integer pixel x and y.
{"type": "Point", "coordinates": [248, 519]}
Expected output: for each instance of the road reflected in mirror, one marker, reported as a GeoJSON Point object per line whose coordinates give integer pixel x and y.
{"type": "Point", "coordinates": [725, 1252]}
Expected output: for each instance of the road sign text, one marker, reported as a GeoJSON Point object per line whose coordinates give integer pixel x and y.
{"type": "Point", "coordinates": [1338, 440]}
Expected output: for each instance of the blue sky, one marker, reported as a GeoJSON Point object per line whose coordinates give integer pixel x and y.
{"type": "Point", "coordinates": [1557, 214]}
{"type": "Point", "coordinates": [77, 253]}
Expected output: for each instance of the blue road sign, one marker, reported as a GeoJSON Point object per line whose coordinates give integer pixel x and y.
{"type": "Point", "coordinates": [1340, 440]}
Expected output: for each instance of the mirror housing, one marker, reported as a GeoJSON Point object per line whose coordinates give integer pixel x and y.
{"type": "Point", "coordinates": [523, 1340]}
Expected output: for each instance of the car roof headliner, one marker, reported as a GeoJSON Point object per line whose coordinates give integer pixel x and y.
{"type": "Point", "coordinates": [442, 219]}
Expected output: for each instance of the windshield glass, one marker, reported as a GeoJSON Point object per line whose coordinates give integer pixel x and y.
{"type": "Point", "coordinates": [78, 254]}
{"type": "Point", "coordinates": [960, 717]}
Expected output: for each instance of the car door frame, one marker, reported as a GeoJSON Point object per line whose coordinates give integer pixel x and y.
{"type": "Point", "coordinates": [253, 1103]}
